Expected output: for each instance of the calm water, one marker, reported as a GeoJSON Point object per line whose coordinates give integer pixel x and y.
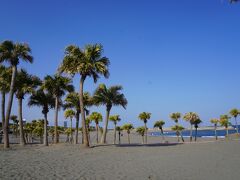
{"type": "Point", "coordinates": [200, 133]}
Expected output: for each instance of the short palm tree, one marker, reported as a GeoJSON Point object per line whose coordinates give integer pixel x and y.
{"type": "Point", "coordinates": [215, 122]}
{"type": "Point", "coordinates": [69, 113]}
{"type": "Point", "coordinates": [160, 124]}
{"type": "Point", "coordinates": [176, 117]}
{"type": "Point", "coordinates": [57, 86]}
{"type": "Point", "coordinates": [235, 113]}
{"type": "Point", "coordinates": [141, 131]}
{"type": "Point", "coordinates": [115, 119]}
{"type": "Point", "coordinates": [128, 128]}
{"type": "Point", "coordinates": [145, 116]}
{"type": "Point", "coordinates": [224, 121]}
{"type": "Point", "coordinates": [5, 80]}
{"type": "Point", "coordinates": [109, 97]}
{"type": "Point", "coordinates": [178, 130]}
{"type": "Point", "coordinates": [39, 129]}
{"type": "Point", "coordinates": [12, 53]}
{"type": "Point", "coordinates": [25, 84]}
{"type": "Point", "coordinates": [191, 117]}
{"type": "Point", "coordinates": [119, 130]}
{"type": "Point", "coordinates": [45, 101]}
{"type": "Point", "coordinates": [196, 124]}
{"type": "Point", "coordinates": [96, 117]}
{"type": "Point", "coordinates": [15, 121]}
{"type": "Point", "coordinates": [87, 62]}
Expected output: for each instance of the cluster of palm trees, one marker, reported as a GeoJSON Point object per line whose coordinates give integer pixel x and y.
{"type": "Point", "coordinates": [48, 93]}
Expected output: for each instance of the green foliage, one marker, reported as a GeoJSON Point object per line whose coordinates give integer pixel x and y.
{"type": "Point", "coordinates": [175, 116]}
{"type": "Point", "coordinates": [224, 121]}
{"type": "Point", "coordinates": [159, 124]}
{"type": "Point", "coordinates": [69, 113]}
{"type": "Point", "coordinates": [141, 130]}
{"type": "Point", "coordinates": [234, 112]}
{"type": "Point", "coordinates": [38, 127]}
{"type": "Point", "coordinates": [144, 116]}
{"type": "Point", "coordinates": [96, 117]}
{"type": "Point", "coordinates": [127, 127]}
{"type": "Point", "coordinates": [177, 128]}
{"type": "Point", "coordinates": [109, 96]}
{"type": "Point", "coordinates": [115, 119]}
{"type": "Point", "coordinates": [214, 121]}
{"type": "Point", "coordinates": [191, 117]}
{"type": "Point", "coordinates": [5, 78]}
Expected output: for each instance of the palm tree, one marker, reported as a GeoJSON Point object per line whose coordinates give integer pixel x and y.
{"type": "Point", "coordinates": [15, 121]}
{"type": "Point", "coordinates": [215, 122]}
{"type": "Point", "coordinates": [39, 129]}
{"type": "Point", "coordinates": [5, 80]}
{"type": "Point", "coordinates": [234, 113]}
{"type": "Point", "coordinates": [69, 113]}
{"type": "Point", "coordinates": [109, 97]}
{"type": "Point", "coordinates": [160, 124]}
{"type": "Point", "coordinates": [191, 117]}
{"type": "Point", "coordinates": [87, 62]}
{"type": "Point", "coordinates": [128, 128]}
{"type": "Point", "coordinates": [96, 117]}
{"type": "Point", "coordinates": [119, 129]}
{"type": "Point", "coordinates": [115, 119]}
{"type": "Point", "coordinates": [224, 121]}
{"type": "Point", "coordinates": [46, 101]}
{"type": "Point", "coordinates": [145, 117]}
{"type": "Point", "coordinates": [175, 117]}
{"type": "Point", "coordinates": [178, 130]}
{"type": "Point", "coordinates": [12, 53]}
{"type": "Point", "coordinates": [25, 84]}
{"type": "Point", "coordinates": [196, 123]}
{"type": "Point", "coordinates": [141, 131]}
{"type": "Point", "coordinates": [57, 86]}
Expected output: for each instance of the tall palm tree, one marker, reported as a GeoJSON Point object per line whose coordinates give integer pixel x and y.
{"type": "Point", "coordinates": [145, 116]}
{"type": "Point", "coordinates": [224, 121]}
{"type": "Point", "coordinates": [96, 117]}
{"type": "Point", "coordinates": [46, 101]}
{"type": "Point", "coordinates": [160, 124]}
{"type": "Point", "coordinates": [191, 117]}
{"type": "Point", "coordinates": [69, 113]}
{"type": "Point", "coordinates": [12, 53]}
{"type": "Point", "coordinates": [235, 113]}
{"type": "Point", "coordinates": [141, 131]}
{"type": "Point", "coordinates": [176, 117]}
{"type": "Point", "coordinates": [57, 86]}
{"type": "Point", "coordinates": [115, 119]}
{"type": "Point", "coordinates": [196, 124]}
{"type": "Point", "coordinates": [25, 84]}
{"type": "Point", "coordinates": [109, 97]}
{"type": "Point", "coordinates": [5, 80]}
{"type": "Point", "coordinates": [178, 130]}
{"type": "Point", "coordinates": [87, 62]}
{"type": "Point", "coordinates": [215, 122]}
{"type": "Point", "coordinates": [128, 128]}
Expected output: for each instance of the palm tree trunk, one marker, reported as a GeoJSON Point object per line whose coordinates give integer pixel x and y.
{"type": "Point", "coordinates": [56, 139]}
{"type": "Point", "coordinates": [84, 128]}
{"type": "Point", "coordinates": [45, 142]}
{"type": "Point", "coordinates": [128, 138]}
{"type": "Point", "coordinates": [71, 130]}
{"type": "Point", "coordinates": [145, 126]}
{"type": "Point", "coordinates": [236, 125]}
{"type": "Point", "coordinates": [162, 134]}
{"type": "Point", "coordinates": [191, 133]}
{"type": "Point", "coordinates": [181, 136]}
{"type": "Point", "coordinates": [22, 139]}
{"type": "Point", "coordinates": [103, 140]}
{"type": "Point", "coordinates": [195, 134]}
{"type": "Point", "coordinates": [9, 107]}
{"type": "Point", "coordinates": [227, 133]}
{"type": "Point", "coordinates": [115, 133]}
{"type": "Point", "coordinates": [97, 131]}
{"type": "Point", "coordinates": [3, 108]}
{"type": "Point", "coordinates": [216, 132]}
{"type": "Point", "coordinates": [142, 139]}
{"type": "Point", "coordinates": [77, 125]}
{"type": "Point", "coordinates": [119, 137]}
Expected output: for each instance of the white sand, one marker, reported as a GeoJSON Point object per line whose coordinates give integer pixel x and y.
{"type": "Point", "coordinates": [194, 161]}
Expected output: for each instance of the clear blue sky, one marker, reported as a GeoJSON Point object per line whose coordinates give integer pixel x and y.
{"type": "Point", "coordinates": [170, 56]}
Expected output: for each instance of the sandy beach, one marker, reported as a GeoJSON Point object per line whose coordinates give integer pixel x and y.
{"type": "Point", "coordinates": [205, 159]}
